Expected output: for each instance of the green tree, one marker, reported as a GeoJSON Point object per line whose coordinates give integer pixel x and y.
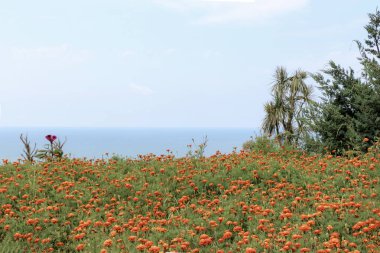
{"type": "Point", "coordinates": [283, 115]}
{"type": "Point", "coordinates": [369, 119]}
{"type": "Point", "coordinates": [336, 122]}
{"type": "Point", "coordinates": [350, 106]}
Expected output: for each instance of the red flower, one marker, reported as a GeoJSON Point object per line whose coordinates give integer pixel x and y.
{"type": "Point", "coordinates": [51, 138]}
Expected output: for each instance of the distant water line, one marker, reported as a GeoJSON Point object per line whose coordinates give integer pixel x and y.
{"type": "Point", "coordinates": [128, 142]}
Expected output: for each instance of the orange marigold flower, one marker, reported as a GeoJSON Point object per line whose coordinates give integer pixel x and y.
{"type": "Point", "coordinates": [237, 229]}
{"type": "Point", "coordinates": [132, 238]}
{"type": "Point", "coordinates": [80, 247]}
{"type": "Point", "coordinates": [140, 247]}
{"type": "Point", "coordinates": [54, 220]}
{"type": "Point", "coordinates": [45, 241]}
{"type": "Point", "coordinates": [352, 244]}
{"type": "Point", "coordinates": [17, 236]}
{"type": "Point", "coordinates": [213, 223]}
{"type": "Point", "coordinates": [204, 236]}
{"type": "Point", "coordinates": [204, 242]}
{"type": "Point", "coordinates": [227, 235]}
{"type": "Point", "coordinates": [32, 221]}
{"type": "Point", "coordinates": [250, 250]}
{"type": "Point", "coordinates": [304, 228]}
{"type": "Point", "coordinates": [296, 237]}
{"type": "Point", "coordinates": [79, 236]}
{"type": "Point", "coordinates": [154, 249]}
{"type": "Point", "coordinates": [148, 244]}
{"type": "Point", "coordinates": [107, 243]}
{"type": "Point", "coordinates": [59, 244]}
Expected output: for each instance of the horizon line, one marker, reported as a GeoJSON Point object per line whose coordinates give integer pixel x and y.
{"type": "Point", "coordinates": [146, 127]}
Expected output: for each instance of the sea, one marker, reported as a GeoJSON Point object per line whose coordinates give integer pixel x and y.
{"type": "Point", "coordinates": [93, 143]}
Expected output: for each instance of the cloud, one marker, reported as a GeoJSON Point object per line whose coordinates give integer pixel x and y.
{"type": "Point", "coordinates": [231, 1]}
{"type": "Point", "coordinates": [61, 53]}
{"type": "Point", "coordinates": [140, 89]}
{"type": "Point", "coordinates": [127, 53]}
{"type": "Point", "coordinates": [224, 11]}
{"type": "Point", "coordinates": [210, 54]}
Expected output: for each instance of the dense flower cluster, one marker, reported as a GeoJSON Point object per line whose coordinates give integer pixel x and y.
{"type": "Point", "coordinates": [239, 202]}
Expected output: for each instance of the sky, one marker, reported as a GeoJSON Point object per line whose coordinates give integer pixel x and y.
{"type": "Point", "coordinates": [163, 63]}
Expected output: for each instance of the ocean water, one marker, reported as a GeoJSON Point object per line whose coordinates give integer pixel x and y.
{"type": "Point", "coordinates": [126, 142]}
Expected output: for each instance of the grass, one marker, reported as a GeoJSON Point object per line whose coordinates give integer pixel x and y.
{"type": "Point", "coordinates": [284, 201]}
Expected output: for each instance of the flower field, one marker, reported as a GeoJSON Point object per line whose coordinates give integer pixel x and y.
{"type": "Point", "coordinates": [239, 202]}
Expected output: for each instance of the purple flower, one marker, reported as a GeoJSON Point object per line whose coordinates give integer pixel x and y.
{"type": "Point", "coordinates": [51, 138]}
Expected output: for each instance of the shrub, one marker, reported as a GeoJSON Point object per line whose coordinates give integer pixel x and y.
{"type": "Point", "coordinates": [29, 153]}
{"type": "Point", "coordinates": [261, 143]}
{"type": "Point", "coordinates": [199, 150]}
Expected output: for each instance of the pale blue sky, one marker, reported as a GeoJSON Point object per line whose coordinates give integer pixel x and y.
{"type": "Point", "coordinates": [163, 63]}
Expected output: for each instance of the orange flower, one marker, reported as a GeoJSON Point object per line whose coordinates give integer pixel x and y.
{"type": "Point", "coordinates": [54, 220]}
{"type": "Point", "coordinates": [17, 236]}
{"type": "Point", "coordinates": [213, 224]}
{"type": "Point", "coordinates": [45, 241]}
{"type": "Point", "coordinates": [80, 247]}
{"type": "Point", "coordinates": [227, 235]}
{"type": "Point", "coordinates": [118, 228]}
{"type": "Point", "coordinates": [59, 244]}
{"type": "Point", "coordinates": [154, 249]}
{"type": "Point", "coordinates": [304, 228]}
{"type": "Point", "coordinates": [32, 221]}
{"type": "Point", "coordinates": [107, 243]}
{"type": "Point", "coordinates": [79, 236]}
{"type": "Point", "coordinates": [140, 247]}
{"type": "Point", "coordinates": [237, 229]}
{"type": "Point", "coordinates": [205, 240]}
{"type": "Point", "coordinates": [132, 238]}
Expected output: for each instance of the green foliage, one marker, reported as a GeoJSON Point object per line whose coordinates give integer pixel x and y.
{"type": "Point", "coordinates": [284, 114]}
{"type": "Point", "coordinates": [261, 143]}
{"type": "Point", "coordinates": [336, 122]}
{"type": "Point", "coordinates": [29, 153]}
{"type": "Point", "coordinates": [118, 158]}
{"type": "Point", "coordinates": [350, 107]}
{"type": "Point", "coordinates": [52, 151]}
{"type": "Point", "coordinates": [371, 48]}
{"type": "Point", "coordinates": [58, 206]}
{"type": "Point", "coordinates": [197, 150]}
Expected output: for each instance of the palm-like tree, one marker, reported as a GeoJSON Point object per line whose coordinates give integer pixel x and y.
{"type": "Point", "coordinates": [271, 122]}
{"type": "Point", "coordinates": [290, 95]}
